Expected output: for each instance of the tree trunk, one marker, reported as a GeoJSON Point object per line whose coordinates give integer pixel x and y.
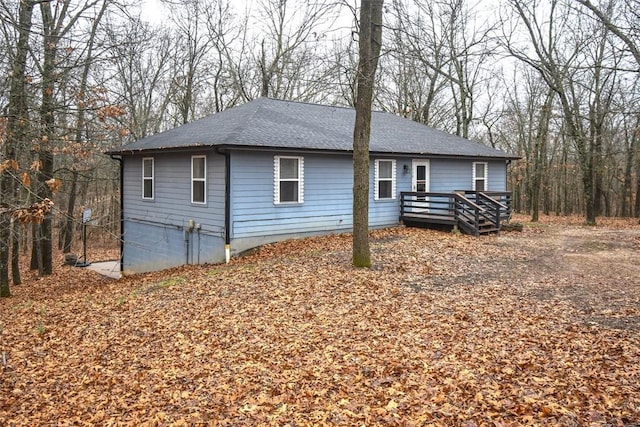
{"type": "Point", "coordinates": [16, 134]}
{"type": "Point", "coordinates": [265, 72]}
{"type": "Point", "coordinates": [637, 204]}
{"type": "Point", "coordinates": [4, 255]}
{"type": "Point", "coordinates": [589, 204]}
{"type": "Point", "coordinates": [626, 193]}
{"type": "Point", "coordinates": [50, 38]}
{"type": "Point", "coordinates": [46, 227]}
{"type": "Point", "coordinates": [636, 208]}
{"type": "Point", "coordinates": [35, 248]}
{"type": "Point", "coordinates": [369, 49]}
{"type": "Point", "coordinates": [15, 253]}
{"type": "Point", "coordinates": [566, 205]}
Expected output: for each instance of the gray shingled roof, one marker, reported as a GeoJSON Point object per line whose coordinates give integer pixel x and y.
{"type": "Point", "coordinates": [271, 123]}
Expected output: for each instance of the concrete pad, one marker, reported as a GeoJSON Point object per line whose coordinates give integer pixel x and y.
{"type": "Point", "coordinates": [106, 268]}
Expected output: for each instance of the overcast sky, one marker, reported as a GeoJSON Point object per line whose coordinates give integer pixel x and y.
{"type": "Point", "coordinates": [155, 11]}
{"type": "Point", "coordinates": [152, 11]}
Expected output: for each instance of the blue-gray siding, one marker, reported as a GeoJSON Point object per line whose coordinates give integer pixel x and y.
{"type": "Point", "coordinates": [327, 196]}
{"type": "Point", "coordinates": [450, 175]}
{"type": "Point", "coordinates": [327, 206]}
{"type": "Point", "coordinates": [156, 231]}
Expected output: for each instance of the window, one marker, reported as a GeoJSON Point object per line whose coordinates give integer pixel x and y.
{"type": "Point", "coordinates": [198, 179]}
{"type": "Point", "coordinates": [480, 174]}
{"type": "Point", "coordinates": [385, 180]}
{"type": "Point", "coordinates": [288, 179]}
{"type": "Point", "coordinates": [147, 178]}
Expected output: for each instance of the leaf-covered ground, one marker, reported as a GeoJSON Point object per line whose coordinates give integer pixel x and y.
{"type": "Point", "coordinates": [533, 328]}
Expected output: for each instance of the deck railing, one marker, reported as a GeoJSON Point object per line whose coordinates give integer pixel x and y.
{"type": "Point", "coordinates": [474, 212]}
{"type": "Point", "coordinates": [437, 207]}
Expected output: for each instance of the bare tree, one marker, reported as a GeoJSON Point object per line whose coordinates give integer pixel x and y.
{"type": "Point", "coordinates": [16, 134]}
{"type": "Point", "coordinates": [532, 107]}
{"type": "Point", "coordinates": [57, 22]}
{"type": "Point", "coordinates": [629, 35]}
{"type": "Point", "coordinates": [636, 148]}
{"type": "Point", "coordinates": [539, 165]}
{"type": "Point", "coordinates": [625, 26]}
{"type": "Point", "coordinates": [417, 64]}
{"type": "Point", "coordinates": [441, 53]}
{"type": "Point", "coordinates": [193, 46]}
{"type": "Point", "coordinates": [575, 77]}
{"type": "Point", "coordinates": [80, 131]}
{"type": "Point", "coordinates": [141, 81]}
{"type": "Point", "coordinates": [343, 72]}
{"type": "Point", "coordinates": [226, 76]}
{"type": "Point", "coordinates": [370, 44]}
{"type": "Point", "coordinates": [287, 56]}
{"type": "Point", "coordinates": [468, 49]}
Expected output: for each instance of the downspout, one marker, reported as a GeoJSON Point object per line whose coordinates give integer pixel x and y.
{"type": "Point", "coordinates": [119, 159]}
{"type": "Point", "coordinates": [186, 245]}
{"type": "Point", "coordinates": [199, 237]}
{"type": "Point", "coordinates": [227, 207]}
{"type": "Point", "coordinates": [227, 203]}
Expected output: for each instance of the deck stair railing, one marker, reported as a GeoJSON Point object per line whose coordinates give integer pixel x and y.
{"type": "Point", "coordinates": [473, 218]}
{"type": "Point", "coordinates": [497, 202]}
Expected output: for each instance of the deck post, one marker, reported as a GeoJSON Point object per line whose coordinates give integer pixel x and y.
{"type": "Point", "coordinates": [456, 214]}
{"type": "Point", "coordinates": [477, 221]}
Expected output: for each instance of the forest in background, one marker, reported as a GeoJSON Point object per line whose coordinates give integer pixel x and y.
{"type": "Point", "coordinates": [553, 81]}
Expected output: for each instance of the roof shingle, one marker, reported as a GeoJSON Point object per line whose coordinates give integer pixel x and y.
{"type": "Point", "coordinates": [271, 123]}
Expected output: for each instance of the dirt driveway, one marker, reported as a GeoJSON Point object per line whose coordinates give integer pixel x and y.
{"type": "Point", "coordinates": [595, 270]}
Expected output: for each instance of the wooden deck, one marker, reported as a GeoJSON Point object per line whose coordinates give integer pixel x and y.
{"type": "Point", "coordinates": [473, 212]}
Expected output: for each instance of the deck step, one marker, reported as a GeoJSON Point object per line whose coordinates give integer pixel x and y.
{"type": "Point", "coordinates": [488, 230]}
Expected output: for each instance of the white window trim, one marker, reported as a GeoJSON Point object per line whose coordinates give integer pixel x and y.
{"type": "Point", "coordinates": [476, 178]}
{"type": "Point", "coordinates": [277, 180]}
{"type": "Point", "coordinates": [149, 178]}
{"type": "Point", "coordinates": [377, 179]}
{"type": "Point", "coordinates": [204, 179]}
